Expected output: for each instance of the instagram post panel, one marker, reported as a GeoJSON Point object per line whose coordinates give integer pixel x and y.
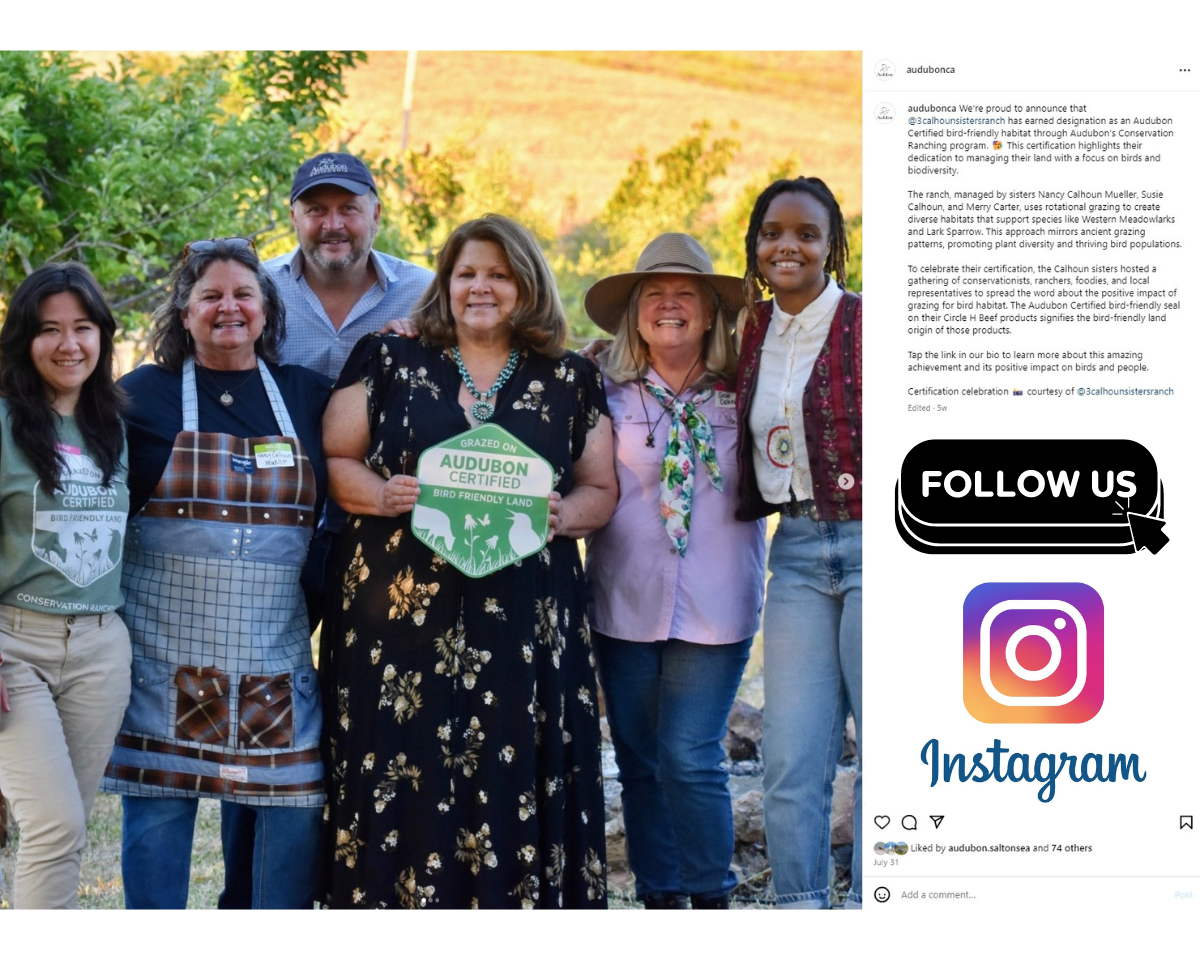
{"type": "Point", "coordinates": [1023, 657]}
{"type": "Point", "coordinates": [1030, 642]}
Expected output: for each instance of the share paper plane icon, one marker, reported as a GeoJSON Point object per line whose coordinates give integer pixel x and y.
{"type": "Point", "coordinates": [937, 820]}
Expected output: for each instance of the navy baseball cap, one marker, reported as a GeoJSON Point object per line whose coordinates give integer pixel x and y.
{"type": "Point", "coordinates": [340, 169]}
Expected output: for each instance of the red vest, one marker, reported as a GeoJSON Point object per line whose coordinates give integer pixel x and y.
{"type": "Point", "coordinates": [832, 410]}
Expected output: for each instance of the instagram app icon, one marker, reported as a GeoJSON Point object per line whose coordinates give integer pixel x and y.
{"type": "Point", "coordinates": [1033, 652]}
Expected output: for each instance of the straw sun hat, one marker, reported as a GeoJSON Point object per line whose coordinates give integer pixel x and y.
{"type": "Point", "coordinates": [672, 253]}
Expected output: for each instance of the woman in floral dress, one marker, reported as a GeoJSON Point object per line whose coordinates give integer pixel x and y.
{"type": "Point", "coordinates": [462, 732]}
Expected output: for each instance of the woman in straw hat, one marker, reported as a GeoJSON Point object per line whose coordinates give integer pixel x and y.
{"type": "Point", "coordinates": [799, 401]}
{"type": "Point", "coordinates": [676, 580]}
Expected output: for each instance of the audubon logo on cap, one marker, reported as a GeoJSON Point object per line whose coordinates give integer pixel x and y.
{"type": "Point", "coordinates": [328, 166]}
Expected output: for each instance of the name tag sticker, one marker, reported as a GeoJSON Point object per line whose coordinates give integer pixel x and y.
{"type": "Point", "coordinates": [726, 399]}
{"type": "Point", "coordinates": [268, 455]}
{"type": "Point", "coordinates": [240, 464]}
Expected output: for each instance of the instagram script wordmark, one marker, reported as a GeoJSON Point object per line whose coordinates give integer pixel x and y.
{"type": "Point", "coordinates": [1033, 652]}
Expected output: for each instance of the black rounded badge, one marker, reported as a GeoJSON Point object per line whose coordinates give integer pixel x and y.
{"type": "Point", "coordinates": [1030, 496]}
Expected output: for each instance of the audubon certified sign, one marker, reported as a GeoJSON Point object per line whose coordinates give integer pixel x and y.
{"type": "Point", "coordinates": [484, 500]}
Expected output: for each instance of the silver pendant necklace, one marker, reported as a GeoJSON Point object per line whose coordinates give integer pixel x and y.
{"type": "Point", "coordinates": [226, 396]}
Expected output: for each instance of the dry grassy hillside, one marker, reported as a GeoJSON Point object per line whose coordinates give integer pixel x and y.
{"type": "Point", "coordinates": [571, 122]}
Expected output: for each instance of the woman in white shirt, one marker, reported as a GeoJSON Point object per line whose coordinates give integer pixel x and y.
{"type": "Point", "coordinates": [799, 401]}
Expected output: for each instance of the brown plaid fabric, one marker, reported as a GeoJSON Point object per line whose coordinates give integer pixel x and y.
{"type": "Point", "coordinates": [210, 786]}
{"type": "Point", "coordinates": [200, 483]}
{"type": "Point", "coordinates": [154, 745]}
{"type": "Point", "coordinates": [265, 711]}
{"type": "Point", "coordinates": [202, 711]}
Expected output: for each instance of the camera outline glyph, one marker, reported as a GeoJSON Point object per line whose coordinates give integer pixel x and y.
{"type": "Point", "coordinates": [1030, 630]}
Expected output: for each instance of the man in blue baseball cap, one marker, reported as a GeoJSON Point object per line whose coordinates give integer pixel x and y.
{"type": "Point", "coordinates": [335, 286]}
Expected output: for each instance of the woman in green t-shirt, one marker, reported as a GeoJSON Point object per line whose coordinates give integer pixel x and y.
{"type": "Point", "coordinates": [64, 652]}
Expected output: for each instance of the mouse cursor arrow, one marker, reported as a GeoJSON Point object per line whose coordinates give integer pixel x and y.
{"type": "Point", "coordinates": [1147, 532]}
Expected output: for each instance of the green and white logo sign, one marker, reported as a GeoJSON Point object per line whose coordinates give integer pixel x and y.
{"type": "Point", "coordinates": [484, 500]}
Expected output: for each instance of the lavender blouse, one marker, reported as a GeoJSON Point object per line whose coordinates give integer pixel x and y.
{"type": "Point", "coordinates": [641, 588]}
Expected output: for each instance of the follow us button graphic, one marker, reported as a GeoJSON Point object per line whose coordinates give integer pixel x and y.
{"type": "Point", "coordinates": [1033, 652]}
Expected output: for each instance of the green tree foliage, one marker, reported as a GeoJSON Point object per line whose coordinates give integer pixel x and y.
{"type": "Point", "coordinates": [854, 235]}
{"type": "Point", "coordinates": [121, 169]}
{"type": "Point", "coordinates": [430, 193]}
{"type": "Point", "coordinates": [298, 85]}
{"type": "Point", "coordinates": [671, 193]}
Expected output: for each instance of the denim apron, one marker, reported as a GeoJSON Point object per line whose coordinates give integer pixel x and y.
{"type": "Point", "coordinates": [224, 700]}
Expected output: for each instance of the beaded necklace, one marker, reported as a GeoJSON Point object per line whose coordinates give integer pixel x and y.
{"type": "Point", "coordinates": [482, 409]}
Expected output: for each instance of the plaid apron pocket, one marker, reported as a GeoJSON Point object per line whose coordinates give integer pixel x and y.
{"type": "Point", "coordinates": [265, 712]}
{"type": "Point", "coordinates": [202, 711]}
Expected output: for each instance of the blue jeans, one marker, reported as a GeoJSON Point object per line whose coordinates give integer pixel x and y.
{"type": "Point", "coordinates": [812, 671]}
{"type": "Point", "coordinates": [667, 703]}
{"type": "Point", "coordinates": [270, 854]}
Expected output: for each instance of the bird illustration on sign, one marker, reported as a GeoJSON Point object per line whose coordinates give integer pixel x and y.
{"type": "Point", "coordinates": [436, 523]}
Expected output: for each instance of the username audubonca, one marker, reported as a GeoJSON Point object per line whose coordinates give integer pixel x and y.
{"type": "Point", "coordinates": [1045, 769]}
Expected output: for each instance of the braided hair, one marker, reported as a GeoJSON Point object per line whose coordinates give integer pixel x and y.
{"type": "Point", "coordinates": [754, 283]}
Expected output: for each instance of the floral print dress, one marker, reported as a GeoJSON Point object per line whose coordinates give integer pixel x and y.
{"type": "Point", "coordinates": [462, 737]}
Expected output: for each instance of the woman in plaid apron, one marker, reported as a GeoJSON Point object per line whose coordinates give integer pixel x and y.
{"type": "Point", "coordinates": [225, 703]}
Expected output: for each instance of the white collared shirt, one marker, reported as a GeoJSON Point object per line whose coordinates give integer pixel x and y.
{"type": "Point", "coordinates": [790, 348]}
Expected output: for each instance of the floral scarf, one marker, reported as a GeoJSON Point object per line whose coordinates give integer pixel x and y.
{"type": "Point", "coordinates": [675, 490]}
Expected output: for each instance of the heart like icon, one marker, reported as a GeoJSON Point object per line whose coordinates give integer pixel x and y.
{"type": "Point", "coordinates": [882, 821]}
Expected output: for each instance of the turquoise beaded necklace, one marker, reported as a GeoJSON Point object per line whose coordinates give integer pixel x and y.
{"type": "Point", "coordinates": [482, 409]}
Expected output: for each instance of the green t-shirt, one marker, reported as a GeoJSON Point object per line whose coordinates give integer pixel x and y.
{"type": "Point", "coordinates": [60, 550]}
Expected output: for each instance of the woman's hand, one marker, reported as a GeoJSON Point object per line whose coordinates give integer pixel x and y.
{"type": "Point", "coordinates": [398, 495]}
{"type": "Point", "coordinates": [593, 349]}
{"type": "Point", "coordinates": [555, 513]}
{"type": "Point", "coordinates": [354, 486]}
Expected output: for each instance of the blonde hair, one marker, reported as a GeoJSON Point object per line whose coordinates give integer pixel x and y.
{"type": "Point", "coordinates": [629, 357]}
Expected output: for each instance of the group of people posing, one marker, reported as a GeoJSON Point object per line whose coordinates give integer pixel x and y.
{"type": "Point", "coordinates": [446, 752]}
